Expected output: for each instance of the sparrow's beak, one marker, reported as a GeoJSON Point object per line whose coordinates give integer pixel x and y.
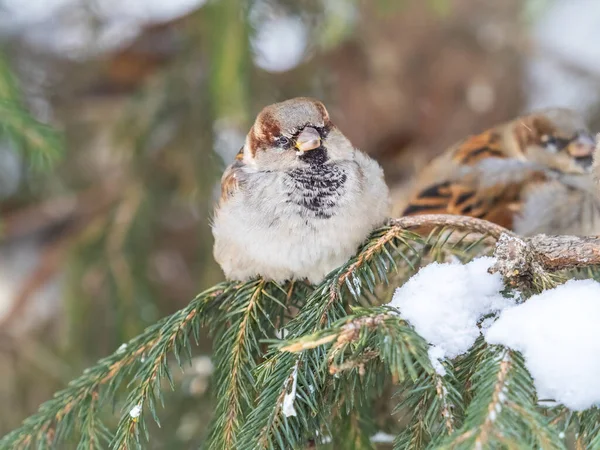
{"type": "Point", "coordinates": [308, 139]}
{"type": "Point", "coordinates": [581, 148]}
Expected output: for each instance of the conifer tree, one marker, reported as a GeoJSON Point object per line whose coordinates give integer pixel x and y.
{"type": "Point", "coordinates": [329, 382]}
{"type": "Point", "coordinates": [327, 366]}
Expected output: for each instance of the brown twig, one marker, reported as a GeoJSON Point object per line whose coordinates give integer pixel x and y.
{"type": "Point", "coordinates": [522, 260]}
{"type": "Point", "coordinates": [347, 333]}
{"type": "Point", "coordinates": [564, 252]}
{"type": "Point", "coordinates": [449, 220]}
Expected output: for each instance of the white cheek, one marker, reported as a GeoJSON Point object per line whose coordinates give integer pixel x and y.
{"type": "Point", "coordinates": [273, 159]}
{"type": "Point", "coordinates": [338, 147]}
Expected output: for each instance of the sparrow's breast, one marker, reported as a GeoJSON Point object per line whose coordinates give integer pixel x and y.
{"type": "Point", "coordinates": [316, 191]}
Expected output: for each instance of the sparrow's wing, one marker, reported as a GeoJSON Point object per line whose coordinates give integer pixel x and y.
{"type": "Point", "coordinates": [480, 146]}
{"type": "Point", "coordinates": [230, 181]}
{"type": "Point", "coordinates": [475, 178]}
{"type": "Point", "coordinates": [443, 188]}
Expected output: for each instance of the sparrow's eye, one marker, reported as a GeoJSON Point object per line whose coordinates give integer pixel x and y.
{"type": "Point", "coordinates": [282, 142]}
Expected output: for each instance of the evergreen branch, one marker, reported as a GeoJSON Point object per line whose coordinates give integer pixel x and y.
{"type": "Point", "coordinates": [588, 431]}
{"type": "Point", "coordinates": [372, 336]}
{"type": "Point", "coordinates": [333, 364]}
{"type": "Point", "coordinates": [369, 333]}
{"type": "Point", "coordinates": [40, 142]}
{"type": "Point", "coordinates": [324, 306]}
{"type": "Point", "coordinates": [9, 89]}
{"type": "Point", "coordinates": [348, 332]}
{"type": "Point", "coordinates": [144, 357]}
{"type": "Point", "coordinates": [352, 429]}
{"type": "Point", "coordinates": [381, 253]}
{"type": "Point", "coordinates": [375, 254]}
{"type": "Point", "coordinates": [434, 405]}
{"type": "Point", "coordinates": [95, 434]}
{"type": "Point", "coordinates": [247, 315]}
{"type": "Point", "coordinates": [446, 405]}
{"type": "Point", "coordinates": [503, 410]}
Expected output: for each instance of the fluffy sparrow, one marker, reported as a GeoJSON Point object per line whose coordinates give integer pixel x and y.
{"type": "Point", "coordinates": [299, 198]}
{"type": "Point", "coordinates": [532, 175]}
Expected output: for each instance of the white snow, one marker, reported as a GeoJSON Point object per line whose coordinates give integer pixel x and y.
{"type": "Point", "coordinates": [558, 333]}
{"type": "Point", "coordinates": [382, 438]}
{"type": "Point", "coordinates": [228, 139]}
{"type": "Point", "coordinates": [288, 401]}
{"type": "Point", "coordinates": [444, 302]}
{"type": "Point", "coordinates": [135, 411]}
{"type": "Point", "coordinates": [436, 354]}
{"type": "Point", "coordinates": [121, 348]}
{"type": "Point", "coordinates": [203, 365]}
{"type": "Point", "coordinates": [281, 333]}
{"type": "Point", "coordinates": [147, 10]}
{"type": "Point", "coordinates": [279, 43]}
{"type": "Point", "coordinates": [63, 26]}
{"type": "Point", "coordinates": [562, 35]}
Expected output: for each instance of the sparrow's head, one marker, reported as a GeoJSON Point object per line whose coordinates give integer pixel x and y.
{"type": "Point", "coordinates": [294, 133]}
{"type": "Point", "coordinates": [557, 138]}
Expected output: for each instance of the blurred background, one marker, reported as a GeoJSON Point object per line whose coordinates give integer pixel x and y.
{"type": "Point", "coordinates": [153, 99]}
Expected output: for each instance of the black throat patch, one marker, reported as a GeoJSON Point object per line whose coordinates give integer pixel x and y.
{"type": "Point", "coordinates": [315, 157]}
{"type": "Point", "coordinates": [316, 189]}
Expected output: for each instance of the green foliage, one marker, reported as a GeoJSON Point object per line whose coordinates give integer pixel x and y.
{"type": "Point", "coordinates": [502, 411]}
{"type": "Point", "coordinates": [435, 403]}
{"type": "Point", "coordinates": [252, 314]}
{"type": "Point", "coordinates": [40, 142]}
{"type": "Point", "coordinates": [328, 383]}
{"type": "Point", "coordinates": [140, 365]}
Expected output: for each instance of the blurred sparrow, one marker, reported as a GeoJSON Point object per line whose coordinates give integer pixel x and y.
{"type": "Point", "coordinates": [299, 198]}
{"type": "Point", "coordinates": [596, 163]}
{"type": "Point", "coordinates": [532, 175]}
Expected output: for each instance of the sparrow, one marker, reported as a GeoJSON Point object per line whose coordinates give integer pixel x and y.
{"type": "Point", "coordinates": [298, 200]}
{"type": "Point", "coordinates": [596, 161]}
{"type": "Point", "coordinates": [531, 175]}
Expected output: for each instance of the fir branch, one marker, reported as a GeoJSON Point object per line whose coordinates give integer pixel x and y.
{"type": "Point", "coordinates": [383, 252]}
{"type": "Point", "coordinates": [435, 406]}
{"type": "Point", "coordinates": [77, 404]}
{"type": "Point", "coordinates": [333, 364]}
{"type": "Point", "coordinates": [369, 333]}
{"type": "Point", "coordinates": [352, 429]}
{"type": "Point", "coordinates": [40, 142]}
{"type": "Point", "coordinates": [245, 320]}
{"type": "Point", "coordinates": [343, 334]}
{"type": "Point", "coordinates": [503, 410]}
{"type": "Point", "coordinates": [95, 435]}
{"type": "Point", "coordinates": [326, 305]}
{"type": "Point", "coordinates": [355, 342]}
{"type": "Point", "coordinates": [373, 351]}
{"type": "Point", "coordinates": [588, 430]}
{"type": "Point", "coordinates": [446, 404]}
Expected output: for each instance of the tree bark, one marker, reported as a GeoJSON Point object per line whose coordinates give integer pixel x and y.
{"type": "Point", "coordinates": [518, 259]}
